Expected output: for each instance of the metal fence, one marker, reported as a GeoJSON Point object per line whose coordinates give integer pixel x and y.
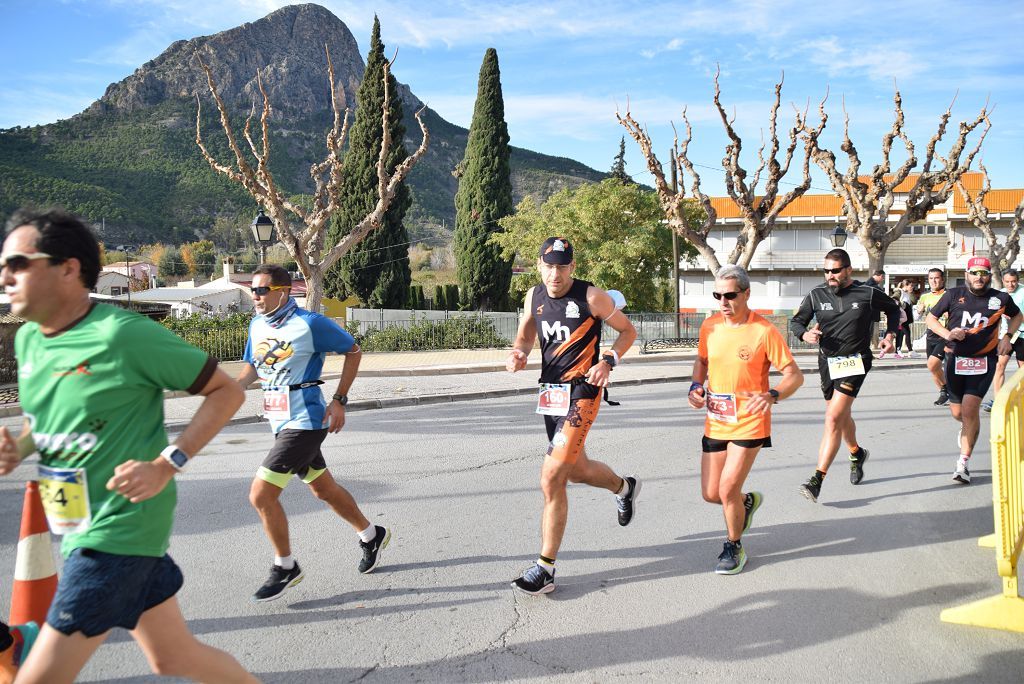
{"type": "Point", "coordinates": [226, 344]}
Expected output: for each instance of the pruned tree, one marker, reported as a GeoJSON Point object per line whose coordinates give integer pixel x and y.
{"type": "Point", "coordinates": [758, 212]}
{"type": "Point", "coordinates": [868, 201]}
{"type": "Point", "coordinates": [1002, 255]}
{"type": "Point", "coordinates": [302, 230]}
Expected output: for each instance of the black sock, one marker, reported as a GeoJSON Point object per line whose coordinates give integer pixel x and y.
{"type": "Point", "coordinates": [821, 475]}
{"type": "Point", "coordinates": [547, 560]}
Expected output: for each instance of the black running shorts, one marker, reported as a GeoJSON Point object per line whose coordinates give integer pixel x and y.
{"type": "Point", "coordinates": [295, 452]}
{"type": "Point", "coordinates": [1018, 350]}
{"type": "Point", "coordinates": [712, 446]}
{"type": "Point", "coordinates": [567, 434]}
{"type": "Point", "coordinates": [935, 346]}
{"type": "Point", "coordinates": [959, 385]}
{"type": "Point", "coordinates": [849, 385]}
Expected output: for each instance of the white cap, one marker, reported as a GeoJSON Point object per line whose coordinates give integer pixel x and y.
{"type": "Point", "coordinates": [618, 298]}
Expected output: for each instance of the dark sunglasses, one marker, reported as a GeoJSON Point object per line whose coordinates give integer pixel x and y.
{"type": "Point", "coordinates": [835, 271]}
{"type": "Point", "coordinates": [983, 274]}
{"type": "Point", "coordinates": [264, 290]}
{"type": "Point", "coordinates": [728, 295]}
{"type": "Point", "coordinates": [16, 262]}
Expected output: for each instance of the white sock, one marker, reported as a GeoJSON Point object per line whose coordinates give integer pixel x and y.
{"type": "Point", "coordinates": [624, 489]}
{"type": "Point", "coordinates": [369, 534]}
{"type": "Point", "coordinates": [549, 567]}
{"type": "Point", "coordinates": [285, 562]}
{"type": "Point", "coordinates": [964, 458]}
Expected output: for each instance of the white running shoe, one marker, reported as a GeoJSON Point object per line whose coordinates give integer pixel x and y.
{"type": "Point", "coordinates": [962, 474]}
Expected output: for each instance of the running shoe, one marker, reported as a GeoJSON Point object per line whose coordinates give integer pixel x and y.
{"type": "Point", "coordinates": [279, 581]}
{"type": "Point", "coordinates": [943, 397]}
{"type": "Point", "coordinates": [732, 559]}
{"type": "Point", "coordinates": [373, 548]}
{"type": "Point", "coordinates": [536, 580]}
{"type": "Point", "coordinates": [987, 406]}
{"type": "Point", "coordinates": [811, 488]}
{"type": "Point", "coordinates": [627, 504]}
{"type": "Point", "coordinates": [22, 637]}
{"type": "Point", "coordinates": [962, 474]}
{"type": "Point", "coordinates": [857, 466]}
{"type": "Point", "coordinates": [751, 502]}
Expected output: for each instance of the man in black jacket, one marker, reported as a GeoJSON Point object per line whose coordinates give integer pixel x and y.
{"type": "Point", "coordinates": [844, 310]}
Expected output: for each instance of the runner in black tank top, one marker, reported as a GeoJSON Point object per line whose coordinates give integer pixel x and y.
{"type": "Point", "coordinates": [566, 315]}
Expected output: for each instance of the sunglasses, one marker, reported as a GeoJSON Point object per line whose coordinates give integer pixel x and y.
{"type": "Point", "coordinates": [983, 274]}
{"type": "Point", "coordinates": [835, 271]}
{"type": "Point", "coordinates": [264, 290]}
{"type": "Point", "coordinates": [728, 295]}
{"type": "Point", "coordinates": [15, 262]}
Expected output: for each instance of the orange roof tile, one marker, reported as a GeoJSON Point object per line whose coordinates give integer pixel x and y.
{"type": "Point", "coordinates": [1002, 201]}
{"type": "Point", "coordinates": [807, 205]}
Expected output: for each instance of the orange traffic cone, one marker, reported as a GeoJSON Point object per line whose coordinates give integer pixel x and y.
{"type": "Point", "coordinates": [35, 575]}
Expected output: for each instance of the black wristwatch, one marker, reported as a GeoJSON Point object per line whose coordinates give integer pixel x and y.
{"type": "Point", "coordinates": [341, 398]}
{"type": "Point", "coordinates": [609, 359]}
{"type": "Point", "coordinates": [775, 394]}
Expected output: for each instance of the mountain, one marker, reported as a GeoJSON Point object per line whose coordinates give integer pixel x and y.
{"type": "Point", "coordinates": [130, 160]}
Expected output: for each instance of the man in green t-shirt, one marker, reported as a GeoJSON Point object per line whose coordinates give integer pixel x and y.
{"type": "Point", "coordinates": [91, 379]}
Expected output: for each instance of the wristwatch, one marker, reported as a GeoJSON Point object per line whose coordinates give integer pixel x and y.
{"type": "Point", "coordinates": [341, 398]}
{"type": "Point", "coordinates": [175, 456]}
{"type": "Point", "coordinates": [775, 394]}
{"type": "Point", "coordinates": [609, 359]}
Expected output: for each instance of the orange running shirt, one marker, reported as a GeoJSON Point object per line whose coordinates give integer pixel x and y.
{"type": "Point", "coordinates": [738, 362]}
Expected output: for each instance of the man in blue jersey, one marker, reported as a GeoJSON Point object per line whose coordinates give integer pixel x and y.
{"type": "Point", "coordinates": [286, 350]}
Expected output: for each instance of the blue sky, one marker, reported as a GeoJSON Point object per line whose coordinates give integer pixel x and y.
{"type": "Point", "coordinates": [567, 66]}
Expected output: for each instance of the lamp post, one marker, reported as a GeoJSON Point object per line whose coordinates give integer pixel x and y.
{"type": "Point", "coordinates": [263, 232]}
{"type": "Point", "coordinates": [838, 236]}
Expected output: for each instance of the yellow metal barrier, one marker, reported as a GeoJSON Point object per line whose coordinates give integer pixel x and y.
{"type": "Point", "coordinates": [1005, 611]}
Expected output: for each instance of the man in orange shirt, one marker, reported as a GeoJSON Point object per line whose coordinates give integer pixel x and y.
{"type": "Point", "coordinates": [730, 380]}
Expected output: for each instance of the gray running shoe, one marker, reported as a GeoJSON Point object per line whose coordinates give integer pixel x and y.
{"type": "Point", "coordinates": [535, 581]}
{"type": "Point", "coordinates": [987, 405]}
{"type": "Point", "coordinates": [732, 559]}
{"type": "Point", "coordinates": [857, 466]}
{"type": "Point", "coordinates": [812, 488]}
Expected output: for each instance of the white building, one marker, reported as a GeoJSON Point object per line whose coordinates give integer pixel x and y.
{"type": "Point", "coordinates": [111, 283]}
{"type": "Point", "coordinates": [192, 300]}
{"type": "Point", "coordinates": [788, 264]}
{"type": "Point", "coordinates": [142, 271]}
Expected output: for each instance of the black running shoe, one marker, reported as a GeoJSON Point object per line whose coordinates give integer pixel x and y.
{"type": "Point", "coordinates": [627, 504]}
{"type": "Point", "coordinates": [811, 488]}
{"type": "Point", "coordinates": [373, 548]}
{"type": "Point", "coordinates": [857, 466]}
{"type": "Point", "coordinates": [943, 397]}
{"type": "Point", "coordinates": [751, 502]}
{"type": "Point", "coordinates": [279, 580]}
{"type": "Point", "coordinates": [534, 581]}
{"type": "Point", "coordinates": [732, 559]}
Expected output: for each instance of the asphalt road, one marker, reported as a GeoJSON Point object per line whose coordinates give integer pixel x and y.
{"type": "Point", "coordinates": [847, 590]}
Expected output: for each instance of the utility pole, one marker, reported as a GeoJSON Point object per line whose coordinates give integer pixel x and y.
{"type": "Point", "coordinates": [675, 252]}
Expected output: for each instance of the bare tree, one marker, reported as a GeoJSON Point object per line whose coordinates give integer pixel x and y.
{"type": "Point", "coordinates": [868, 201]}
{"type": "Point", "coordinates": [758, 212]}
{"type": "Point", "coordinates": [301, 230]}
{"type": "Point", "coordinates": [1002, 255]}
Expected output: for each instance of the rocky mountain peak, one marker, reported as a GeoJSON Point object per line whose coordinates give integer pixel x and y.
{"type": "Point", "coordinates": [286, 47]}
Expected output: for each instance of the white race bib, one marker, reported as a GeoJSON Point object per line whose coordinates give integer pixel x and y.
{"type": "Point", "coordinates": [277, 403]}
{"type": "Point", "coordinates": [970, 365]}
{"type": "Point", "coordinates": [845, 366]}
{"type": "Point", "coordinates": [722, 407]}
{"type": "Point", "coordinates": [553, 400]}
{"type": "Point", "coordinates": [65, 495]}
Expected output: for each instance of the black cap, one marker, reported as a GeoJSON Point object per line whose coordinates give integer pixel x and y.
{"type": "Point", "coordinates": [556, 250]}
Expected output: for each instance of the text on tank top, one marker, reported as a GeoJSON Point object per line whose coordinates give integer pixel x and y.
{"type": "Point", "coordinates": [570, 335]}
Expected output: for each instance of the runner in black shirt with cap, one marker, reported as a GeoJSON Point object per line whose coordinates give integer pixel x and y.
{"type": "Point", "coordinates": [972, 343]}
{"type": "Point", "coordinates": [566, 315]}
{"type": "Point", "coordinates": [844, 312]}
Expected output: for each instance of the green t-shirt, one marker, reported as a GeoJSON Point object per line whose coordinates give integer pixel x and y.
{"type": "Point", "coordinates": [93, 396]}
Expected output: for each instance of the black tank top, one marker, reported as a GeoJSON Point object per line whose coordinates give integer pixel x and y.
{"type": "Point", "coordinates": [570, 336]}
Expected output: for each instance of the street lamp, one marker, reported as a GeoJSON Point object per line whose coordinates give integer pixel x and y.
{"type": "Point", "coordinates": [263, 232]}
{"type": "Point", "coordinates": [838, 236]}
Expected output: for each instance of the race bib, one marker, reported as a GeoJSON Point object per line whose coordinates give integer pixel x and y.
{"type": "Point", "coordinates": [276, 403]}
{"type": "Point", "coordinates": [553, 400]}
{"type": "Point", "coordinates": [970, 365]}
{"type": "Point", "coordinates": [65, 495]}
{"type": "Point", "coordinates": [722, 407]}
{"type": "Point", "coordinates": [845, 366]}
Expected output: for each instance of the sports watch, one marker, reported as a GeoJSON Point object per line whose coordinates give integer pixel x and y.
{"type": "Point", "coordinates": [609, 359]}
{"type": "Point", "coordinates": [775, 394]}
{"type": "Point", "coordinates": [175, 456]}
{"type": "Point", "coordinates": [341, 398]}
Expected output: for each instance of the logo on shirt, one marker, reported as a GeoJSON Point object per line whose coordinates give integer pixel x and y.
{"type": "Point", "coordinates": [270, 352]}
{"type": "Point", "coordinates": [744, 353]}
{"type": "Point", "coordinates": [572, 310]}
{"type": "Point", "coordinates": [540, 310]}
{"type": "Point", "coordinates": [557, 331]}
{"type": "Point", "coordinates": [855, 305]}
{"type": "Point", "coordinates": [826, 306]}
{"type": "Point", "coordinates": [973, 320]}
{"type": "Point", "coordinates": [79, 369]}
{"type": "Point", "coordinates": [993, 303]}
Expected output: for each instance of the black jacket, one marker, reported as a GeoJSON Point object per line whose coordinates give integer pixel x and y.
{"type": "Point", "coordinates": [845, 317]}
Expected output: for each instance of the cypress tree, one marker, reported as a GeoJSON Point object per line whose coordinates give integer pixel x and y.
{"type": "Point", "coordinates": [377, 269]}
{"type": "Point", "coordinates": [618, 169]}
{"type": "Point", "coordinates": [484, 196]}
